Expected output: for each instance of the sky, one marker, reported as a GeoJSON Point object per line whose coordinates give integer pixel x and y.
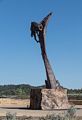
{"type": "Point", "coordinates": [20, 56]}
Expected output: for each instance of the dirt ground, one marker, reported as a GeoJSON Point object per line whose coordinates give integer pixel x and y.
{"type": "Point", "coordinates": [7, 102]}
{"type": "Point", "coordinates": [19, 107]}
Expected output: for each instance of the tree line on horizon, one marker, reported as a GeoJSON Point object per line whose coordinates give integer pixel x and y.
{"type": "Point", "coordinates": [23, 91]}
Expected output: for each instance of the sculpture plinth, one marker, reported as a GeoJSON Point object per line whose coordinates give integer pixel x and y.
{"type": "Point", "coordinates": [54, 97]}
{"type": "Point", "coordinates": [48, 99]}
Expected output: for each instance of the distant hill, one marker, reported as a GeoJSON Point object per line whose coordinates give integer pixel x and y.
{"type": "Point", "coordinates": [23, 91]}
{"type": "Point", "coordinates": [16, 91]}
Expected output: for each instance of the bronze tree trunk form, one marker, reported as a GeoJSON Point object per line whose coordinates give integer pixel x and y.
{"type": "Point", "coordinates": [38, 31]}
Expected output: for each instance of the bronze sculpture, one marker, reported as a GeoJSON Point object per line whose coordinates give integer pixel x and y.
{"type": "Point", "coordinates": [38, 32]}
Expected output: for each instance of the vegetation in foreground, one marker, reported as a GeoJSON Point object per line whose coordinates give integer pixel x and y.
{"type": "Point", "coordinates": [69, 115]}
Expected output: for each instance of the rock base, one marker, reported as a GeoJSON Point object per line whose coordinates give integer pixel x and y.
{"type": "Point", "coordinates": [49, 99]}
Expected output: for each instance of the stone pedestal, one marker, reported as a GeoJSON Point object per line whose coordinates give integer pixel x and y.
{"type": "Point", "coordinates": [49, 99]}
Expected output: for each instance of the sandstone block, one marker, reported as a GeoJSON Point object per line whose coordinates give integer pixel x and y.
{"type": "Point", "coordinates": [49, 99]}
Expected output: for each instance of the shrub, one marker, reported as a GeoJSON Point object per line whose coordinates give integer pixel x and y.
{"type": "Point", "coordinates": [10, 116]}
{"type": "Point", "coordinates": [69, 115]}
